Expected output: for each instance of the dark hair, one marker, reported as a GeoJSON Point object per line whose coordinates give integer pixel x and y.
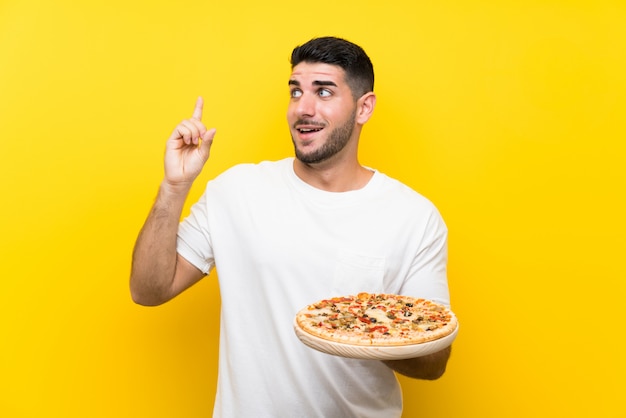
{"type": "Point", "coordinates": [336, 51]}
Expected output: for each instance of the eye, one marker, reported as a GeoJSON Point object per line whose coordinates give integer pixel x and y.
{"type": "Point", "coordinates": [324, 93]}
{"type": "Point", "coordinates": [295, 93]}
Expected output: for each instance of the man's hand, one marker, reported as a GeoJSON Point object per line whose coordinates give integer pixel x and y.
{"type": "Point", "coordinates": [429, 367]}
{"type": "Point", "coordinates": [187, 149]}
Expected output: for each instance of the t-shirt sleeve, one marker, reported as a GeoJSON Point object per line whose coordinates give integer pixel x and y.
{"type": "Point", "coordinates": [194, 239]}
{"type": "Point", "coordinates": [428, 276]}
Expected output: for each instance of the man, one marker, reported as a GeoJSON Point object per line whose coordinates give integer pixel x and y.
{"type": "Point", "coordinates": [287, 233]}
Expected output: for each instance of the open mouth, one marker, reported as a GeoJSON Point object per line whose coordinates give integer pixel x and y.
{"type": "Point", "coordinates": [308, 130]}
{"type": "Point", "coordinates": [308, 127]}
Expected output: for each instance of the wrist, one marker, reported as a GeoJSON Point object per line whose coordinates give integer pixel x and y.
{"type": "Point", "coordinates": [176, 188]}
{"type": "Point", "coordinates": [173, 195]}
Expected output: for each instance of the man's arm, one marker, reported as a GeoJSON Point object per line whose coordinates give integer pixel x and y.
{"type": "Point", "coordinates": [428, 367]}
{"type": "Point", "coordinates": [158, 273]}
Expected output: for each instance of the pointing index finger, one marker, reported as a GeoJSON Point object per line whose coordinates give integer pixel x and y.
{"type": "Point", "coordinates": [197, 111]}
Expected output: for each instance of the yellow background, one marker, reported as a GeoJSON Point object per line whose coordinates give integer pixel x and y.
{"type": "Point", "coordinates": [508, 115]}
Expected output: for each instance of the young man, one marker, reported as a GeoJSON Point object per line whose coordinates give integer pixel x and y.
{"type": "Point", "coordinates": [287, 233]}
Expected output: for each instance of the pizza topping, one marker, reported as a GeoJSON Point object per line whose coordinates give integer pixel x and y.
{"type": "Point", "coordinates": [371, 319]}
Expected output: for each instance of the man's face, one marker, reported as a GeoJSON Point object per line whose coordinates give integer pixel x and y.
{"type": "Point", "coordinates": [321, 112]}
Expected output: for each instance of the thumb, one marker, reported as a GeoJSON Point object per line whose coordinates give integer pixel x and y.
{"type": "Point", "coordinates": [207, 141]}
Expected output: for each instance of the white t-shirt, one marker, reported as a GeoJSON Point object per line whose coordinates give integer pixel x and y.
{"type": "Point", "coordinates": [279, 244]}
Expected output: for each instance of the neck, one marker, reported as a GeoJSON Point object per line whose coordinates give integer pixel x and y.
{"type": "Point", "coordinates": [332, 176]}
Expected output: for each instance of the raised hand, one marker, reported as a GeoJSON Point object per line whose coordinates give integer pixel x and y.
{"type": "Point", "coordinates": [187, 149]}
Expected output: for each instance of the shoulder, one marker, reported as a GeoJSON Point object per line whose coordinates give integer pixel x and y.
{"type": "Point", "coordinates": [403, 202]}
{"type": "Point", "coordinates": [250, 173]}
{"type": "Point", "coordinates": [246, 169]}
{"type": "Point", "coordinates": [399, 192]}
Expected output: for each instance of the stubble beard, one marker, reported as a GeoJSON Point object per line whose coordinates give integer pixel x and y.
{"type": "Point", "coordinates": [337, 140]}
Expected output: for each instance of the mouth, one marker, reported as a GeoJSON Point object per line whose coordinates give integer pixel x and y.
{"type": "Point", "coordinates": [307, 133]}
{"type": "Point", "coordinates": [308, 130]}
{"type": "Point", "coordinates": [306, 127]}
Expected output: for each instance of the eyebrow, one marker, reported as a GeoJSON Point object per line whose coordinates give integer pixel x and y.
{"type": "Point", "coordinates": [315, 83]}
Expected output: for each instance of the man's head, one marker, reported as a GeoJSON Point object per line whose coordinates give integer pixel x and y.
{"type": "Point", "coordinates": [336, 51]}
{"type": "Point", "coordinates": [331, 97]}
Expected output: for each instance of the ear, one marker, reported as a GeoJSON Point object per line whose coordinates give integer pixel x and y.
{"type": "Point", "coordinates": [365, 107]}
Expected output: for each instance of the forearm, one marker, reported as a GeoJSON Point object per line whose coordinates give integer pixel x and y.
{"type": "Point", "coordinates": [154, 256]}
{"type": "Point", "coordinates": [429, 367]}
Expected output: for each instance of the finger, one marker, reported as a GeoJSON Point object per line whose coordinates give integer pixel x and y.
{"type": "Point", "coordinates": [196, 128]}
{"type": "Point", "coordinates": [197, 111]}
{"type": "Point", "coordinates": [185, 132]}
{"type": "Point", "coordinates": [181, 132]}
{"type": "Point", "coordinates": [190, 124]}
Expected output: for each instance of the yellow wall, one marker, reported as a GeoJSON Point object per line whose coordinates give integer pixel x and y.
{"type": "Point", "coordinates": [508, 115]}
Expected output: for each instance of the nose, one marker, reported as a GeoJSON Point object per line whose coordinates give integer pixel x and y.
{"type": "Point", "coordinates": [305, 106]}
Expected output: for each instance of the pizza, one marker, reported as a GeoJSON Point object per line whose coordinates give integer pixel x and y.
{"type": "Point", "coordinates": [377, 319]}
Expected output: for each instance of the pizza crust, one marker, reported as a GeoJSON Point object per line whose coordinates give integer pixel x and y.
{"type": "Point", "coordinates": [377, 319]}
